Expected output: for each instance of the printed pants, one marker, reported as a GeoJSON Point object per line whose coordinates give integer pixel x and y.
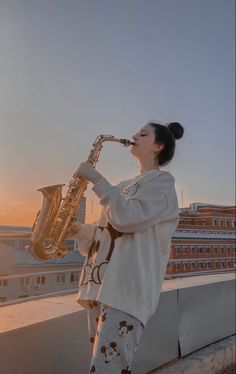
{"type": "Point", "coordinates": [114, 337]}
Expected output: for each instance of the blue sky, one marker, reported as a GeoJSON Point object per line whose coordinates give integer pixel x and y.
{"type": "Point", "coordinates": [71, 70]}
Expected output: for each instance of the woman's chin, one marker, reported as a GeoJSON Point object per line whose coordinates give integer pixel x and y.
{"type": "Point", "coordinates": [133, 150]}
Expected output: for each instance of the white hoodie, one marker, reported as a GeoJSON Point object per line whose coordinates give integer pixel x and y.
{"type": "Point", "coordinates": [127, 251]}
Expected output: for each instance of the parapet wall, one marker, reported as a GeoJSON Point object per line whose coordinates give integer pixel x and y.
{"type": "Point", "coordinates": [50, 336]}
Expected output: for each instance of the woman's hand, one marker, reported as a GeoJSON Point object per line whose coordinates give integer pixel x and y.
{"type": "Point", "coordinates": [73, 229]}
{"type": "Point", "coordinates": [87, 171]}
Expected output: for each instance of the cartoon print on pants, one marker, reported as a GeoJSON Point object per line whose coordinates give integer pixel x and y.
{"type": "Point", "coordinates": [92, 370]}
{"type": "Point", "coordinates": [124, 328]}
{"type": "Point", "coordinates": [104, 313]}
{"type": "Point", "coordinates": [110, 352]}
{"type": "Point", "coordinates": [92, 273]}
{"type": "Point", "coordinates": [126, 371]}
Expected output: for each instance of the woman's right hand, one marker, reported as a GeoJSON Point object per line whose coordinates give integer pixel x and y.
{"type": "Point", "coordinates": [73, 229]}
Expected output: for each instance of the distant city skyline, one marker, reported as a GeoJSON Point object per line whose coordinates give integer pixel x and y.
{"type": "Point", "coordinates": [70, 71]}
{"type": "Point", "coordinates": [203, 243]}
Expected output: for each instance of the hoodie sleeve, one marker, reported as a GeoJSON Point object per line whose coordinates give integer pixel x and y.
{"type": "Point", "coordinates": [154, 202]}
{"type": "Point", "coordinates": [85, 237]}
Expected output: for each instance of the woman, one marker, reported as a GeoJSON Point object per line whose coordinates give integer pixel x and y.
{"type": "Point", "coordinates": [127, 251]}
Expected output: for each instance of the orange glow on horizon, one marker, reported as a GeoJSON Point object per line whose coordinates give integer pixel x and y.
{"type": "Point", "coordinates": [19, 216]}
{"type": "Point", "coordinates": [26, 216]}
{"type": "Point", "coordinates": [90, 218]}
{"type": "Point", "coordinates": [93, 208]}
{"type": "Point", "coordinates": [19, 211]}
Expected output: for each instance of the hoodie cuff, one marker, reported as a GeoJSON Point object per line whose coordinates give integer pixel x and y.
{"type": "Point", "coordinates": [102, 187]}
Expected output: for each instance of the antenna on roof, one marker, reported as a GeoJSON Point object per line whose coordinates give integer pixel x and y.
{"type": "Point", "coordinates": [182, 197]}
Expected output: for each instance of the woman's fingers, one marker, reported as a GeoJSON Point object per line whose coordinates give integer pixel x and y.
{"type": "Point", "coordinates": [73, 229]}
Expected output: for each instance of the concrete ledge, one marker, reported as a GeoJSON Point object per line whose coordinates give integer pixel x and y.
{"type": "Point", "coordinates": [216, 358]}
{"type": "Point", "coordinates": [50, 336]}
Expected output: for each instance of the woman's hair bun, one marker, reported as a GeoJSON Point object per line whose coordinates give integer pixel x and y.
{"type": "Point", "coordinates": [176, 128]}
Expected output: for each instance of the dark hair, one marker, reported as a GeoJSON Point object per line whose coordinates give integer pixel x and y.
{"type": "Point", "coordinates": [167, 134]}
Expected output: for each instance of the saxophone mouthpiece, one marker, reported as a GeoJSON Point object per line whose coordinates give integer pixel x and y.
{"type": "Point", "coordinates": [126, 142]}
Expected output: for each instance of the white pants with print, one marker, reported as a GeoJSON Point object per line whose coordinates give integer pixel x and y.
{"type": "Point", "coordinates": [114, 337]}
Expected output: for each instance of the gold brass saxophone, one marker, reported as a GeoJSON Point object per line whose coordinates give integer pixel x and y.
{"type": "Point", "coordinates": [53, 220]}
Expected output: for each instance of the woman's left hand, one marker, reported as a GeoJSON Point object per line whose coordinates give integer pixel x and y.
{"type": "Point", "coordinates": [86, 170]}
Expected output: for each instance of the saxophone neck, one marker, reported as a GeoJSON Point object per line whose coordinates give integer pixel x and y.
{"type": "Point", "coordinates": [98, 144]}
{"type": "Point", "coordinates": [110, 138]}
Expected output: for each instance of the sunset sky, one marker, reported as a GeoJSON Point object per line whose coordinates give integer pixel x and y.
{"type": "Point", "coordinates": [71, 70]}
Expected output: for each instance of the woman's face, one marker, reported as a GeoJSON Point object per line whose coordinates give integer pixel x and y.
{"type": "Point", "coordinates": [145, 145]}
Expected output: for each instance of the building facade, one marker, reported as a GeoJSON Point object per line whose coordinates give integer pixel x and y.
{"type": "Point", "coordinates": [204, 241]}
{"type": "Point", "coordinates": [23, 276]}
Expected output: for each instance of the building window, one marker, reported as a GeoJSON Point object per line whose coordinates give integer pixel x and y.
{"type": "Point", "coordinates": [228, 249]}
{"type": "Point", "coordinates": [177, 266]}
{"type": "Point", "coordinates": [3, 282]}
{"type": "Point", "coordinates": [74, 277]}
{"type": "Point", "coordinates": [215, 249]}
{"type": "Point", "coordinates": [216, 264]}
{"type": "Point", "coordinates": [192, 266]}
{"type": "Point", "coordinates": [208, 264]}
{"type": "Point", "coordinates": [192, 250]}
{"type": "Point", "coordinates": [24, 282]}
{"type": "Point", "coordinates": [222, 264]}
{"type": "Point", "coordinates": [40, 280]}
{"type": "Point", "coordinates": [200, 249]}
{"type": "Point", "coordinates": [200, 265]}
{"type": "Point", "coordinates": [185, 266]}
{"type": "Point", "coordinates": [222, 249]}
{"type": "Point", "coordinates": [176, 250]}
{"type": "Point", "coordinates": [208, 249]}
{"type": "Point", "coordinates": [60, 278]}
{"type": "Point", "coordinates": [214, 222]}
{"type": "Point", "coordinates": [229, 263]}
{"type": "Point", "coordinates": [185, 250]}
{"type": "Point", "coordinates": [20, 244]}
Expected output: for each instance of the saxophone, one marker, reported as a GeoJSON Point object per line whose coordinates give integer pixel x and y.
{"type": "Point", "coordinates": [57, 213]}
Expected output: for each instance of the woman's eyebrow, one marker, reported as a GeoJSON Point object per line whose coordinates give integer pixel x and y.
{"type": "Point", "coordinates": [143, 130]}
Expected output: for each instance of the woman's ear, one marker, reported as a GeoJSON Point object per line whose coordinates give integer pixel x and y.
{"type": "Point", "coordinates": [159, 147]}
